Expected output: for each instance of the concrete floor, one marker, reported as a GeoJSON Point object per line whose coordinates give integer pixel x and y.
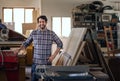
{"type": "Point", "coordinates": [28, 73]}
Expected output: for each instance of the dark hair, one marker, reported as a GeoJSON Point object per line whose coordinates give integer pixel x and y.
{"type": "Point", "coordinates": [42, 17]}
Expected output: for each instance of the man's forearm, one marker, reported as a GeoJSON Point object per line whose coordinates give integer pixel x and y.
{"type": "Point", "coordinates": [56, 52]}
{"type": "Point", "coordinates": [21, 48]}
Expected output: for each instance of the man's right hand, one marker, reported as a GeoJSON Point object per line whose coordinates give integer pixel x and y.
{"type": "Point", "coordinates": [16, 51]}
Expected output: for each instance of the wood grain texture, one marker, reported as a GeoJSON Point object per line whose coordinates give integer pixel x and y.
{"type": "Point", "coordinates": [74, 41]}
{"type": "Point", "coordinates": [73, 46]}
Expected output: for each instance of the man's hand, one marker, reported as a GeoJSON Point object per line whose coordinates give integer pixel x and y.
{"type": "Point", "coordinates": [50, 59]}
{"type": "Point", "coordinates": [16, 51]}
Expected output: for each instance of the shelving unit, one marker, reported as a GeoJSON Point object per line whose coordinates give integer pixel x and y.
{"type": "Point", "coordinates": [96, 22]}
{"type": "Point", "coordinates": [85, 19]}
{"type": "Point", "coordinates": [101, 34]}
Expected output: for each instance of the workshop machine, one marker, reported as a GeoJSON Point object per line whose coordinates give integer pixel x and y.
{"type": "Point", "coordinates": [12, 66]}
{"type": "Point", "coordinates": [64, 73]}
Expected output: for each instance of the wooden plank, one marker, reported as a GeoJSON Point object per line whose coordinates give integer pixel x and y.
{"type": "Point", "coordinates": [74, 41]}
{"type": "Point", "coordinates": [28, 26]}
{"type": "Point", "coordinates": [74, 61]}
{"type": "Point", "coordinates": [72, 47]}
{"type": "Point", "coordinates": [58, 60]}
{"type": "Point", "coordinates": [103, 62]}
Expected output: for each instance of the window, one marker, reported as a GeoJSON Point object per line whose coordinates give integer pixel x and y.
{"type": "Point", "coordinates": [61, 26]}
{"type": "Point", "coordinates": [18, 16]}
{"type": "Point", "coordinates": [7, 15]}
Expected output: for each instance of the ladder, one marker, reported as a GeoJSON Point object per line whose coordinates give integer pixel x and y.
{"type": "Point", "coordinates": [110, 42]}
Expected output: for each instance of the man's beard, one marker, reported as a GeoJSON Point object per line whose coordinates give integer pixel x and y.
{"type": "Point", "coordinates": [42, 27]}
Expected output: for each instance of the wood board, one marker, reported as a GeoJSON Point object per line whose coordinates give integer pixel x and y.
{"type": "Point", "coordinates": [73, 43]}
{"type": "Point", "coordinates": [28, 26]}
{"type": "Point", "coordinates": [81, 47]}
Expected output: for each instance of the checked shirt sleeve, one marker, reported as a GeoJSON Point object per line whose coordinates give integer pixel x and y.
{"type": "Point", "coordinates": [57, 40]}
{"type": "Point", "coordinates": [28, 41]}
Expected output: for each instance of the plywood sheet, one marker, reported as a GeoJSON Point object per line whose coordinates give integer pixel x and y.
{"type": "Point", "coordinates": [28, 26]}
{"type": "Point", "coordinates": [72, 48]}
{"type": "Point", "coordinates": [58, 60]}
{"type": "Point", "coordinates": [74, 41]}
{"type": "Point", "coordinates": [76, 57]}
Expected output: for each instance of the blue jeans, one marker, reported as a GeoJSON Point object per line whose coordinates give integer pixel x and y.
{"type": "Point", "coordinates": [33, 75]}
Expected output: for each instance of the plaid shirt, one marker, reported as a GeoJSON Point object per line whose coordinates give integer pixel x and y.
{"type": "Point", "coordinates": [42, 41]}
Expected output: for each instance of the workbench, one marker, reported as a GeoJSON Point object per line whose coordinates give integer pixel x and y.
{"type": "Point", "coordinates": [10, 43]}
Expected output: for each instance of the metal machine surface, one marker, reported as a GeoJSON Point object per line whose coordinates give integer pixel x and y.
{"type": "Point", "coordinates": [64, 73]}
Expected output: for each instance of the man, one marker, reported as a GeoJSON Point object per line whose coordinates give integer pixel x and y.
{"type": "Point", "coordinates": [42, 39]}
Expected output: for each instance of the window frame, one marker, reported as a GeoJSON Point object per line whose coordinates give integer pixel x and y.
{"type": "Point", "coordinates": [61, 35]}
{"type": "Point", "coordinates": [12, 11]}
{"type": "Point", "coordinates": [19, 28]}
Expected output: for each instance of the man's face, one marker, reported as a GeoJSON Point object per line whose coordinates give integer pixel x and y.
{"type": "Point", "coordinates": [42, 23]}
